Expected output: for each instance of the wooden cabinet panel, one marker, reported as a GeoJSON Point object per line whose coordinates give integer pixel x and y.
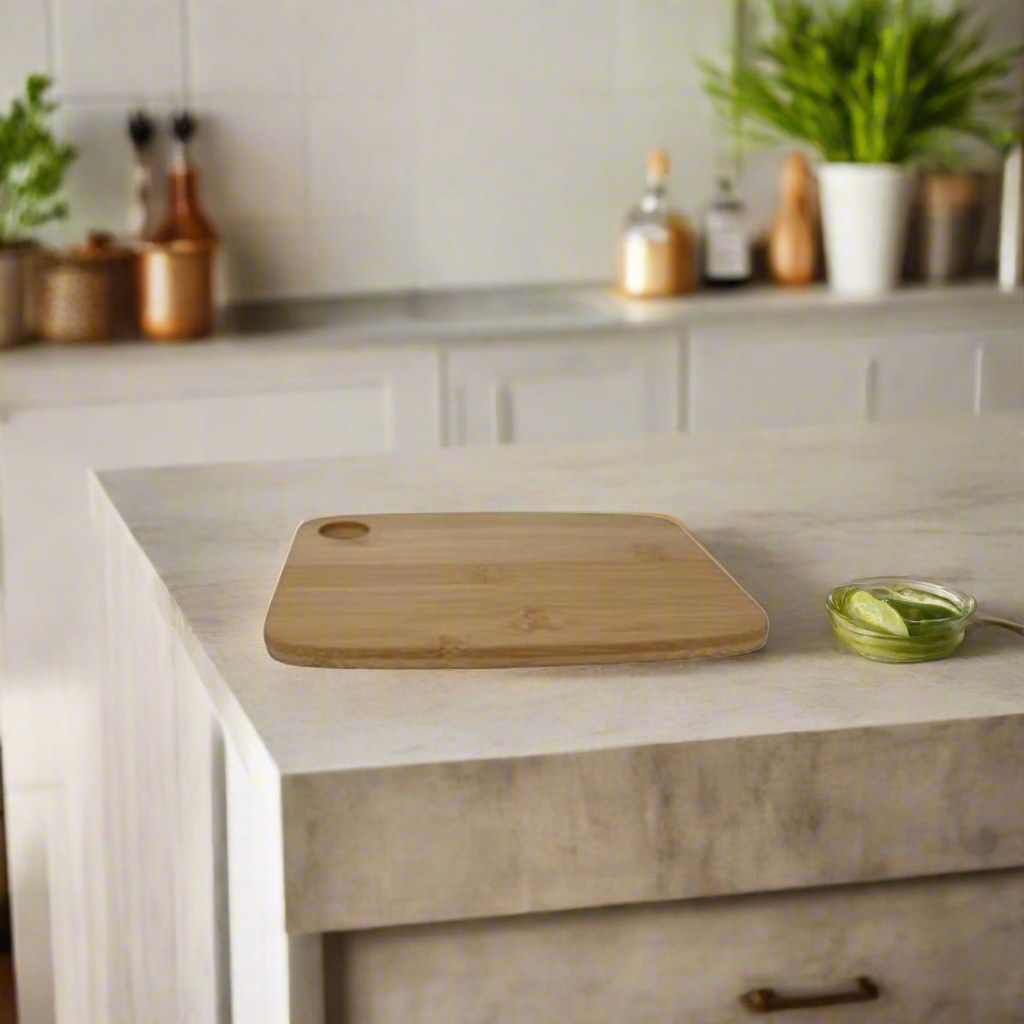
{"type": "Point", "coordinates": [942, 951]}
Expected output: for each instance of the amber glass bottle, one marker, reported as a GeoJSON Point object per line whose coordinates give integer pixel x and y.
{"type": "Point", "coordinates": [185, 220]}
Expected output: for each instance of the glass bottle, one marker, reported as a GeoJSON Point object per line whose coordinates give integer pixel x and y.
{"type": "Point", "coordinates": [656, 245]}
{"type": "Point", "coordinates": [185, 220]}
{"type": "Point", "coordinates": [727, 255]}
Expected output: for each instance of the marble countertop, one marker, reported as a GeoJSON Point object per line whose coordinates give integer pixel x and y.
{"type": "Point", "coordinates": [789, 513]}
{"type": "Point", "coordinates": [257, 336]}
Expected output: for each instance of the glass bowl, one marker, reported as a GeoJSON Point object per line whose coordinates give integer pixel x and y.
{"type": "Point", "coordinates": [929, 638]}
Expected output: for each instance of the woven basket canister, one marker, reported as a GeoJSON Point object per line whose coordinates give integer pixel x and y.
{"type": "Point", "coordinates": [85, 293]}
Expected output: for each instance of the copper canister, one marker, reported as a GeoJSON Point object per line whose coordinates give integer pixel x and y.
{"type": "Point", "coordinates": [176, 290]}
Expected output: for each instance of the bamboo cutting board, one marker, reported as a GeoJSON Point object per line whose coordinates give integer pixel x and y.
{"type": "Point", "coordinates": [481, 590]}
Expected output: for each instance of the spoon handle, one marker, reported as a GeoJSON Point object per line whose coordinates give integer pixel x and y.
{"type": "Point", "coordinates": [993, 620]}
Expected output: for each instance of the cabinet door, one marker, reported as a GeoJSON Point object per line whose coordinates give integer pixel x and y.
{"type": "Point", "coordinates": [562, 390]}
{"type": "Point", "coordinates": [940, 951]}
{"type": "Point", "coordinates": [737, 383]}
{"type": "Point", "coordinates": [923, 376]}
{"type": "Point", "coordinates": [1001, 381]}
{"type": "Point", "coordinates": [368, 402]}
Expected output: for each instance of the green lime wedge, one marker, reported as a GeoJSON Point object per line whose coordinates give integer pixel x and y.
{"type": "Point", "coordinates": [930, 606]}
{"type": "Point", "coordinates": [911, 611]}
{"type": "Point", "coordinates": [874, 612]}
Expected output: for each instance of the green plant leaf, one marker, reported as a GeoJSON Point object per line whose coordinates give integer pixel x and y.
{"type": "Point", "coordinates": [867, 80]}
{"type": "Point", "coordinates": [33, 163]}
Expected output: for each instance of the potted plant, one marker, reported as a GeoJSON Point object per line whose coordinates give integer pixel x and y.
{"type": "Point", "coordinates": [32, 168]}
{"type": "Point", "coordinates": [872, 85]}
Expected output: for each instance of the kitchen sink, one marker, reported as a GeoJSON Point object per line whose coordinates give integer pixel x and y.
{"type": "Point", "coordinates": [505, 309]}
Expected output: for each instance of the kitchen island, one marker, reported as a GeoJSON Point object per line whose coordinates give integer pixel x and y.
{"type": "Point", "coordinates": [628, 843]}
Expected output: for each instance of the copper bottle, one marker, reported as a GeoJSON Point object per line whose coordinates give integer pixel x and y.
{"type": "Point", "coordinates": [656, 250]}
{"type": "Point", "coordinates": [185, 218]}
{"type": "Point", "coordinates": [176, 268]}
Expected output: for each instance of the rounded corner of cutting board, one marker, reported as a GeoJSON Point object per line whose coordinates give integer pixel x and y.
{"type": "Point", "coordinates": [274, 649]}
{"type": "Point", "coordinates": [764, 627]}
{"type": "Point", "coordinates": [310, 525]}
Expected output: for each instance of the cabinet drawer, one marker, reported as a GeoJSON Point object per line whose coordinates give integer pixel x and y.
{"type": "Point", "coordinates": [941, 951]}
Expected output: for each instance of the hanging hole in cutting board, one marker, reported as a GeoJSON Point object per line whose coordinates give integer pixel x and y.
{"type": "Point", "coordinates": [344, 529]}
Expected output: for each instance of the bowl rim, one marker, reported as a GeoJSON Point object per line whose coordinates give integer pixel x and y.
{"type": "Point", "coordinates": [967, 602]}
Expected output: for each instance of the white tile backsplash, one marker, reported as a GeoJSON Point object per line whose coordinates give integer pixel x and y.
{"type": "Point", "coordinates": [361, 158]}
{"type": "Point", "coordinates": [251, 157]}
{"type": "Point", "coordinates": [364, 145]}
{"type": "Point", "coordinates": [23, 43]}
{"type": "Point", "coordinates": [461, 241]}
{"type": "Point", "coordinates": [109, 48]}
{"type": "Point", "coordinates": [532, 47]}
{"type": "Point", "coordinates": [358, 48]}
{"type": "Point", "coordinates": [660, 39]}
{"type": "Point", "coordinates": [244, 48]}
{"type": "Point", "coordinates": [265, 258]}
{"type": "Point", "coordinates": [362, 254]}
{"type": "Point", "coordinates": [518, 151]}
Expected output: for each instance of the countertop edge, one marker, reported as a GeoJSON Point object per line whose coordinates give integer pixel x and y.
{"type": "Point", "coordinates": [44, 375]}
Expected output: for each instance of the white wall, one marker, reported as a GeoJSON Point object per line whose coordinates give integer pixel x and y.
{"type": "Point", "coordinates": [349, 145]}
{"type": "Point", "coordinates": [354, 145]}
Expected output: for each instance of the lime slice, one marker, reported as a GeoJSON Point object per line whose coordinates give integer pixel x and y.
{"type": "Point", "coordinates": [930, 605]}
{"type": "Point", "coordinates": [912, 611]}
{"type": "Point", "coordinates": [876, 613]}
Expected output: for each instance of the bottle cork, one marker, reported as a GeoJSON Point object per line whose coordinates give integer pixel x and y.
{"type": "Point", "coordinates": [658, 164]}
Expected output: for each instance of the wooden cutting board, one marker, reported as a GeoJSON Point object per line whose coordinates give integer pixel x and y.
{"type": "Point", "coordinates": [480, 590]}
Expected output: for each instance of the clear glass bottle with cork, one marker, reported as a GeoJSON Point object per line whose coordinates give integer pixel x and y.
{"type": "Point", "coordinates": [656, 248]}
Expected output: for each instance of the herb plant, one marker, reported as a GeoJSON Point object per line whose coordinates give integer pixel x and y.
{"type": "Point", "coordinates": [32, 164]}
{"type": "Point", "coordinates": [867, 81]}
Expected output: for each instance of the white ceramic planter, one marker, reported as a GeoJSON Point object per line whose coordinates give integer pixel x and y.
{"type": "Point", "coordinates": [864, 214]}
{"type": "Point", "coordinates": [1011, 223]}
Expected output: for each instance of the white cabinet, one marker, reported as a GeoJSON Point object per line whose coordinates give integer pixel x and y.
{"type": "Point", "coordinates": [744, 379]}
{"type": "Point", "coordinates": [368, 401]}
{"type": "Point", "coordinates": [969, 372]}
{"type": "Point", "coordinates": [585, 389]}
{"type": "Point", "coordinates": [923, 377]}
{"type": "Point", "coordinates": [735, 384]}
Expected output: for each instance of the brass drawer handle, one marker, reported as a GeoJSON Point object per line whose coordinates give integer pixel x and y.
{"type": "Point", "coordinates": [767, 1000]}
